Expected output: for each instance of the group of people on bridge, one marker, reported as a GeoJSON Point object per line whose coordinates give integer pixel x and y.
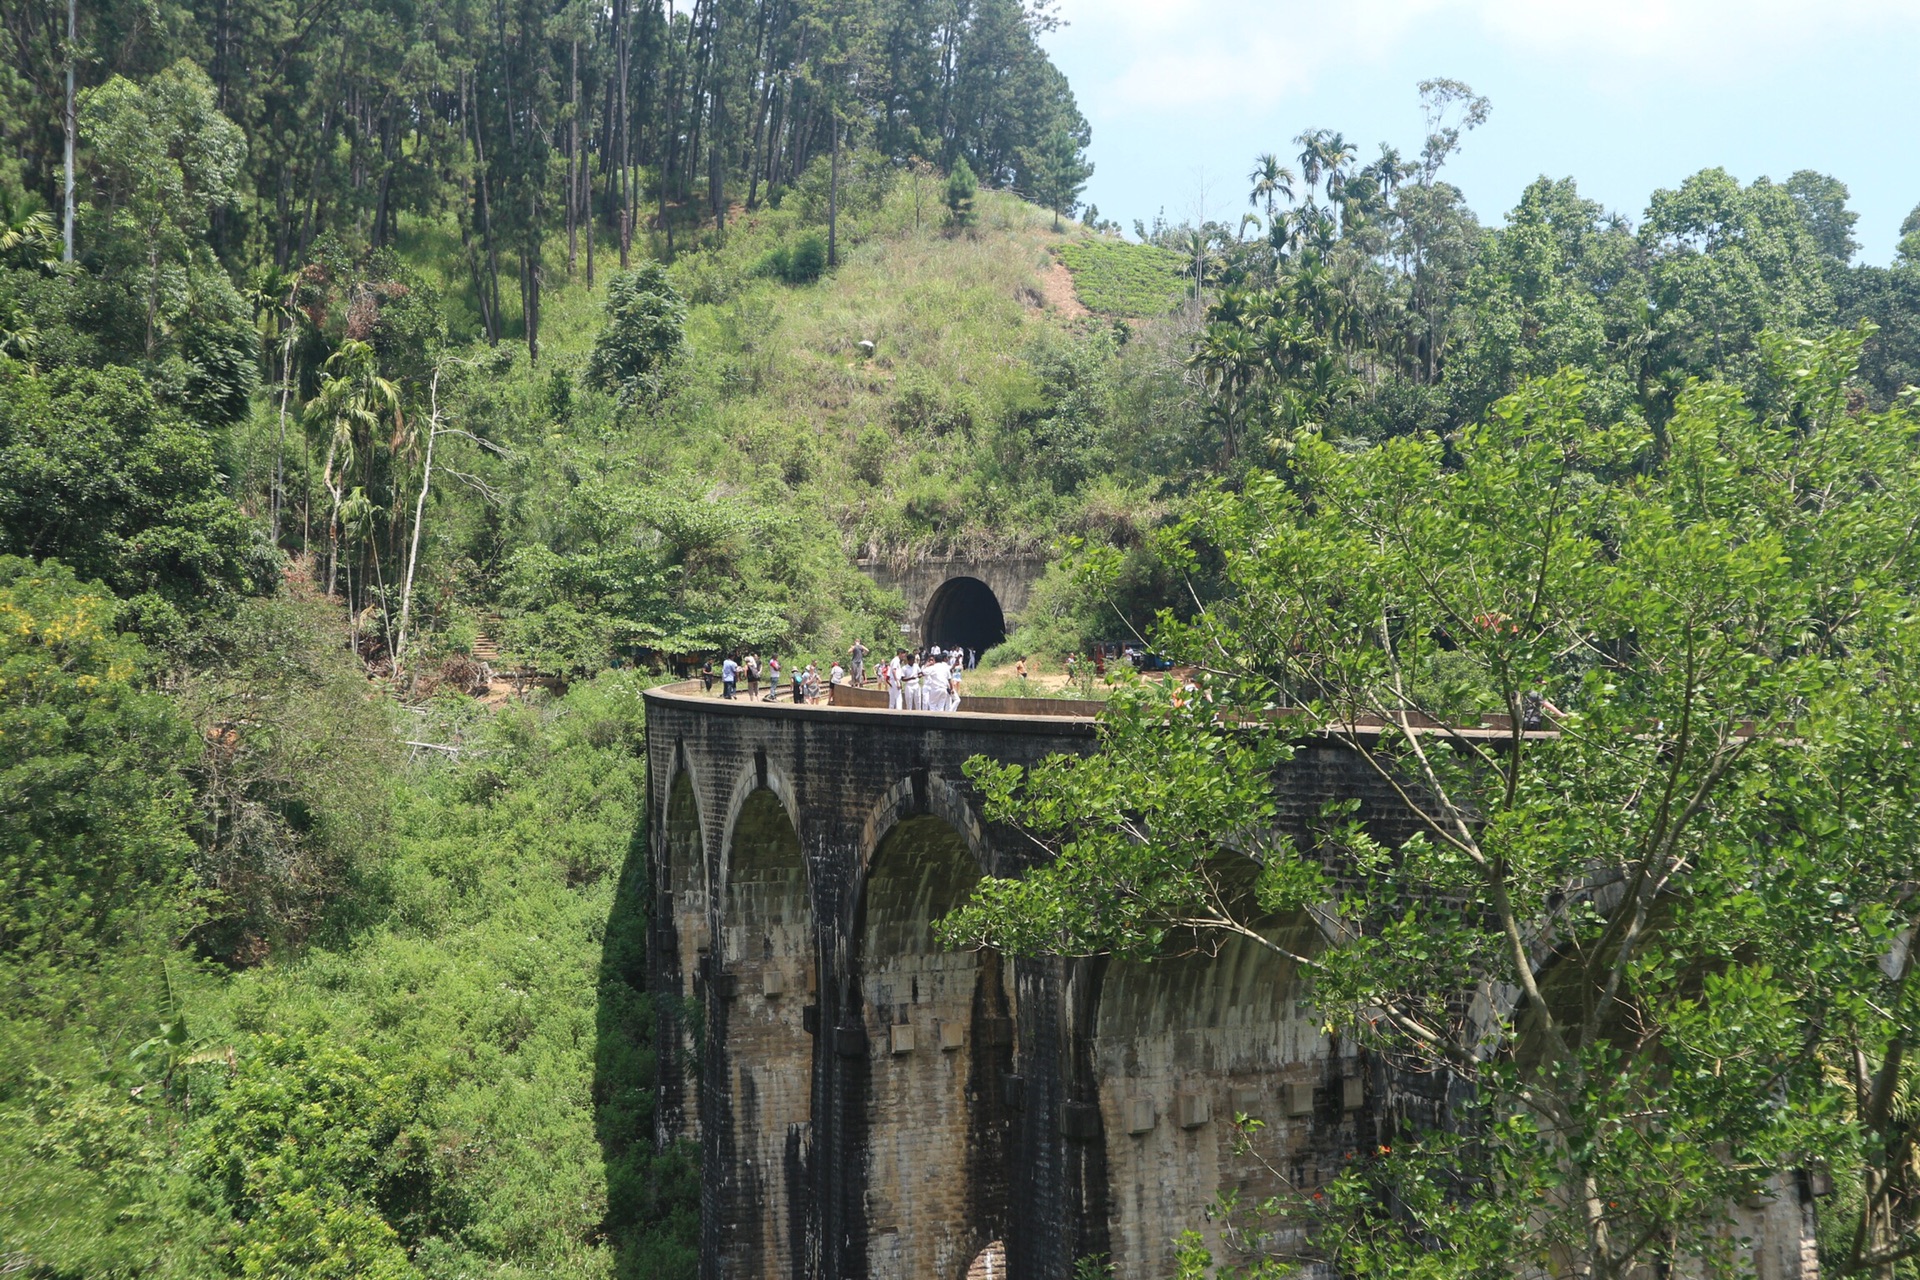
{"type": "Point", "coordinates": [929, 682]}
{"type": "Point", "coordinates": [913, 681]}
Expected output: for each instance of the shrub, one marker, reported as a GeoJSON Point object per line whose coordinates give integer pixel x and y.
{"type": "Point", "coordinates": [807, 260]}
{"type": "Point", "coordinates": [870, 450]}
{"type": "Point", "coordinates": [93, 845]}
{"type": "Point", "coordinates": [644, 336]}
{"type": "Point", "coordinates": [801, 262]}
{"type": "Point", "coordinates": [962, 187]}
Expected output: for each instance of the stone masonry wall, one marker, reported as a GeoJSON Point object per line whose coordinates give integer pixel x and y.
{"type": "Point", "coordinates": [870, 1105]}
{"type": "Point", "coordinates": [765, 977]}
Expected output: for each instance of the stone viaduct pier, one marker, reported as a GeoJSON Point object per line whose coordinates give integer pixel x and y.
{"type": "Point", "coordinates": [871, 1106]}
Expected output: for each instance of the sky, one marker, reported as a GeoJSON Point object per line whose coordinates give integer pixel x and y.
{"type": "Point", "coordinates": [1625, 96]}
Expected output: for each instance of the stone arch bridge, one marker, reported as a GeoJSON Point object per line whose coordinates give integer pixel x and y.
{"type": "Point", "coordinates": [870, 1105]}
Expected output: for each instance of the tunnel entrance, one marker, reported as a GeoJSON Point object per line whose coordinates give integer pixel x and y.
{"type": "Point", "coordinates": [963, 613]}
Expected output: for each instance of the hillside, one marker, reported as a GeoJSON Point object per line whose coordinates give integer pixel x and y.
{"type": "Point", "coordinates": [595, 524]}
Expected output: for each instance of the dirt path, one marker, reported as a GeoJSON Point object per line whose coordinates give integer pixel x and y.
{"type": "Point", "coordinates": [1056, 286]}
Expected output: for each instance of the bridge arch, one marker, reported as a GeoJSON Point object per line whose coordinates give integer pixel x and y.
{"type": "Point", "coordinates": [765, 976]}
{"type": "Point", "coordinates": [685, 855]}
{"type": "Point", "coordinates": [939, 1045]}
{"type": "Point", "coordinates": [963, 612]}
{"type": "Point", "coordinates": [1181, 1044]}
{"type": "Point", "coordinates": [919, 793]}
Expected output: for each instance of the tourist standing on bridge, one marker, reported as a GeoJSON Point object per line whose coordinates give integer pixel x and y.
{"type": "Point", "coordinates": [729, 677]}
{"type": "Point", "coordinates": [939, 677]}
{"type": "Point", "coordinates": [890, 679]}
{"type": "Point", "coordinates": [910, 683]}
{"type": "Point", "coordinates": [953, 687]}
{"type": "Point", "coordinates": [859, 655]}
{"type": "Point", "coordinates": [752, 667]}
{"type": "Point", "coordinates": [799, 684]}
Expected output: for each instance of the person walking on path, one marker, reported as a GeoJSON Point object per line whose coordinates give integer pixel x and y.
{"type": "Point", "coordinates": [859, 655]}
{"type": "Point", "coordinates": [706, 675]}
{"type": "Point", "coordinates": [752, 665]}
{"type": "Point", "coordinates": [729, 677]}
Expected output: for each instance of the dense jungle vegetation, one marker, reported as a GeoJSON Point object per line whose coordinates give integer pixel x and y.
{"type": "Point", "coordinates": [607, 333]}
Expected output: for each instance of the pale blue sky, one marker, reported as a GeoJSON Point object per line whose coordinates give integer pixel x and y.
{"type": "Point", "coordinates": [1623, 95]}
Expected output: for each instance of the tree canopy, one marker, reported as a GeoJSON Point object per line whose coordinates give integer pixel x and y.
{"type": "Point", "coordinates": [1644, 699]}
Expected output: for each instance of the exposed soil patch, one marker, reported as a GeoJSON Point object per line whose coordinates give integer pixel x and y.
{"type": "Point", "coordinates": [1056, 284]}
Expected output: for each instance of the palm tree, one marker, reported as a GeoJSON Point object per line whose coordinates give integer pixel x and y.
{"type": "Point", "coordinates": [272, 292]}
{"type": "Point", "coordinates": [352, 401]}
{"type": "Point", "coordinates": [1270, 179]}
{"type": "Point", "coordinates": [1387, 172]}
{"type": "Point", "coordinates": [1197, 245]}
{"type": "Point", "coordinates": [27, 236]}
{"type": "Point", "coordinates": [1324, 155]}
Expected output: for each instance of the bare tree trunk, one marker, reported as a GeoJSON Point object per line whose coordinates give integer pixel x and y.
{"type": "Point", "coordinates": [586, 184]}
{"type": "Point", "coordinates": [623, 63]}
{"type": "Point", "coordinates": [71, 123]}
{"type": "Point", "coordinates": [486, 233]}
{"type": "Point", "coordinates": [573, 164]}
{"type": "Point", "coordinates": [419, 515]}
{"type": "Point", "coordinates": [333, 515]}
{"type": "Point", "coordinates": [280, 441]}
{"type": "Point", "coordinates": [833, 188]}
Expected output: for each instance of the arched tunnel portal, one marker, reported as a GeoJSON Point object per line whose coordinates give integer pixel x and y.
{"type": "Point", "coordinates": [964, 613]}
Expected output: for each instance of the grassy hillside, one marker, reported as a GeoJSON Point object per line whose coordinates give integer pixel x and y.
{"type": "Point", "coordinates": [729, 507]}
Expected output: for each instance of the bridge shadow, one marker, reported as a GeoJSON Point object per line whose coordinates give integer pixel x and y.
{"type": "Point", "coordinates": [652, 1217]}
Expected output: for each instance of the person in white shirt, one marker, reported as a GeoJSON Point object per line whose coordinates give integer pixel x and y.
{"type": "Point", "coordinates": [953, 685]}
{"type": "Point", "coordinates": [910, 683]}
{"type": "Point", "coordinates": [938, 677]}
{"type": "Point", "coordinates": [835, 674]}
{"type": "Point", "coordinates": [890, 680]}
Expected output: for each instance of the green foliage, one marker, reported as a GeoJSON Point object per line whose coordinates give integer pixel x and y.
{"type": "Point", "coordinates": [292, 800]}
{"type": "Point", "coordinates": [962, 189]}
{"type": "Point", "coordinates": [458, 1077]}
{"type": "Point", "coordinates": [165, 160]}
{"type": "Point", "coordinates": [1062, 436]}
{"type": "Point", "coordinates": [318, 1153]}
{"type": "Point", "coordinates": [1710, 641]}
{"type": "Point", "coordinates": [1115, 278]}
{"type": "Point", "coordinates": [801, 262]}
{"type": "Point", "coordinates": [95, 472]}
{"type": "Point", "coordinates": [1057, 170]}
{"type": "Point", "coordinates": [644, 336]}
{"type": "Point", "coordinates": [93, 845]}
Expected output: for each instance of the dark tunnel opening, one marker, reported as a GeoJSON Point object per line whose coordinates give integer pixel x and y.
{"type": "Point", "coordinates": [964, 613]}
